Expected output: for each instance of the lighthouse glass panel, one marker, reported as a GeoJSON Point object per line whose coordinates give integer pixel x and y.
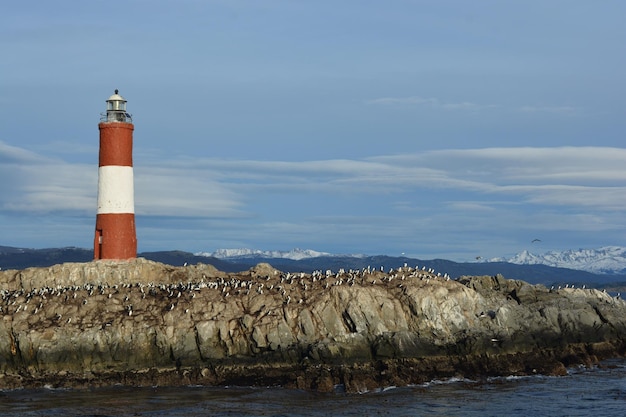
{"type": "Point", "coordinates": [116, 105]}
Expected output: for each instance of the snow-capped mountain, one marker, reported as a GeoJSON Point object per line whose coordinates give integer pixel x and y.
{"type": "Point", "coordinates": [605, 260]}
{"type": "Point", "coordinates": [294, 254]}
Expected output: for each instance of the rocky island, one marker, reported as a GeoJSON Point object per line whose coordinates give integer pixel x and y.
{"type": "Point", "coordinates": [140, 322]}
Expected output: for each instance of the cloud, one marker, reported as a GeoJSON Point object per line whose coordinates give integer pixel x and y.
{"type": "Point", "coordinates": [583, 177]}
{"type": "Point", "coordinates": [523, 164]}
{"type": "Point", "coordinates": [14, 155]}
{"type": "Point", "coordinates": [461, 179]}
{"type": "Point", "coordinates": [436, 103]}
{"type": "Point", "coordinates": [563, 176]}
{"type": "Point", "coordinates": [474, 206]}
{"type": "Point", "coordinates": [426, 199]}
{"type": "Point", "coordinates": [563, 110]}
{"type": "Point", "coordinates": [183, 193]}
{"type": "Point", "coordinates": [431, 102]}
{"type": "Point", "coordinates": [39, 184]}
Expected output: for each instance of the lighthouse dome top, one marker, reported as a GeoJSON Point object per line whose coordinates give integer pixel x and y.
{"type": "Point", "coordinates": [116, 97]}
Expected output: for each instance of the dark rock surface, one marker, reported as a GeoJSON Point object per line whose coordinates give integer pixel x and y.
{"type": "Point", "coordinates": [145, 323]}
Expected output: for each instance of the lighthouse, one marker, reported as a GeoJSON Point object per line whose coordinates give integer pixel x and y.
{"type": "Point", "coordinates": [115, 236]}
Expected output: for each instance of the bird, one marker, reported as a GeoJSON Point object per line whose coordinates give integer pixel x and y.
{"type": "Point", "coordinates": [535, 240]}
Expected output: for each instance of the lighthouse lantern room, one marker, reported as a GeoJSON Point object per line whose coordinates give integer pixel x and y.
{"type": "Point", "coordinates": [115, 236]}
{"type": "Point", "coordinates": [116, 110]}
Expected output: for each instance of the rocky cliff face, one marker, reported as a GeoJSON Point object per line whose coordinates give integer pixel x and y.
{"type": "Point", "coordinates": [141, 322]}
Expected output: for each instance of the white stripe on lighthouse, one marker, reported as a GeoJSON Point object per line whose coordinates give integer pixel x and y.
{"type": "Point", "coordinates": [115, 189]}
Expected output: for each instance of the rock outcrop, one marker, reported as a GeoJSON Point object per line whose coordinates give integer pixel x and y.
{"type": "Point", "coordinates": [141, 322]}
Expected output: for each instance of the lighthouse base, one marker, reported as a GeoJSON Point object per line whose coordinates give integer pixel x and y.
{"type": "Point", "coordinates": [115, 236]}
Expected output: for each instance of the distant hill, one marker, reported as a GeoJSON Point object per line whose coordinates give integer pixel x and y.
{"type": "Point", "coordinates": [20, 258]}
{"type": "Point", "coordinates": [179, 258]}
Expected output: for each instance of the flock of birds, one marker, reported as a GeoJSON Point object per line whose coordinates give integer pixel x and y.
{"type": "Point", "coordinates": [127, 298]}
{"type": "Point", "coordinates": [555, 288]}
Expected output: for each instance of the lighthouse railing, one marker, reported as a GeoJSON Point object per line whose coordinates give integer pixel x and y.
{"type": "Point", "coordinates": [116, 116]}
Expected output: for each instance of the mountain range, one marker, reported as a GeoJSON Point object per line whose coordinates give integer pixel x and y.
{"type": "Point", "coordinates": [295, 254]}
{"type": "Point", "coordinates": [603, 265]}
{"type": "Point", "coordinates": [605, 260]}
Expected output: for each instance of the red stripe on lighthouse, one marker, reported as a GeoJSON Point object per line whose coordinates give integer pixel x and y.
{"type": "Point", "coordinates": [116, 144]}
{"type": "Point", "coordinates": [115, 236]}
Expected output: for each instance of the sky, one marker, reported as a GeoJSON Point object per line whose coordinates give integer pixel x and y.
{"type": "Point", "coordinates": [435, 129]}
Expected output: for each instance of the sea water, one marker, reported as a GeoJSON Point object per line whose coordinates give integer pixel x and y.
{"type": "Point", "coordinates": [597, 391]}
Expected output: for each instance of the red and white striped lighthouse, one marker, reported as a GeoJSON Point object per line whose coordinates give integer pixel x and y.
{"type": "Point", "coordinates": [115, 221]}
